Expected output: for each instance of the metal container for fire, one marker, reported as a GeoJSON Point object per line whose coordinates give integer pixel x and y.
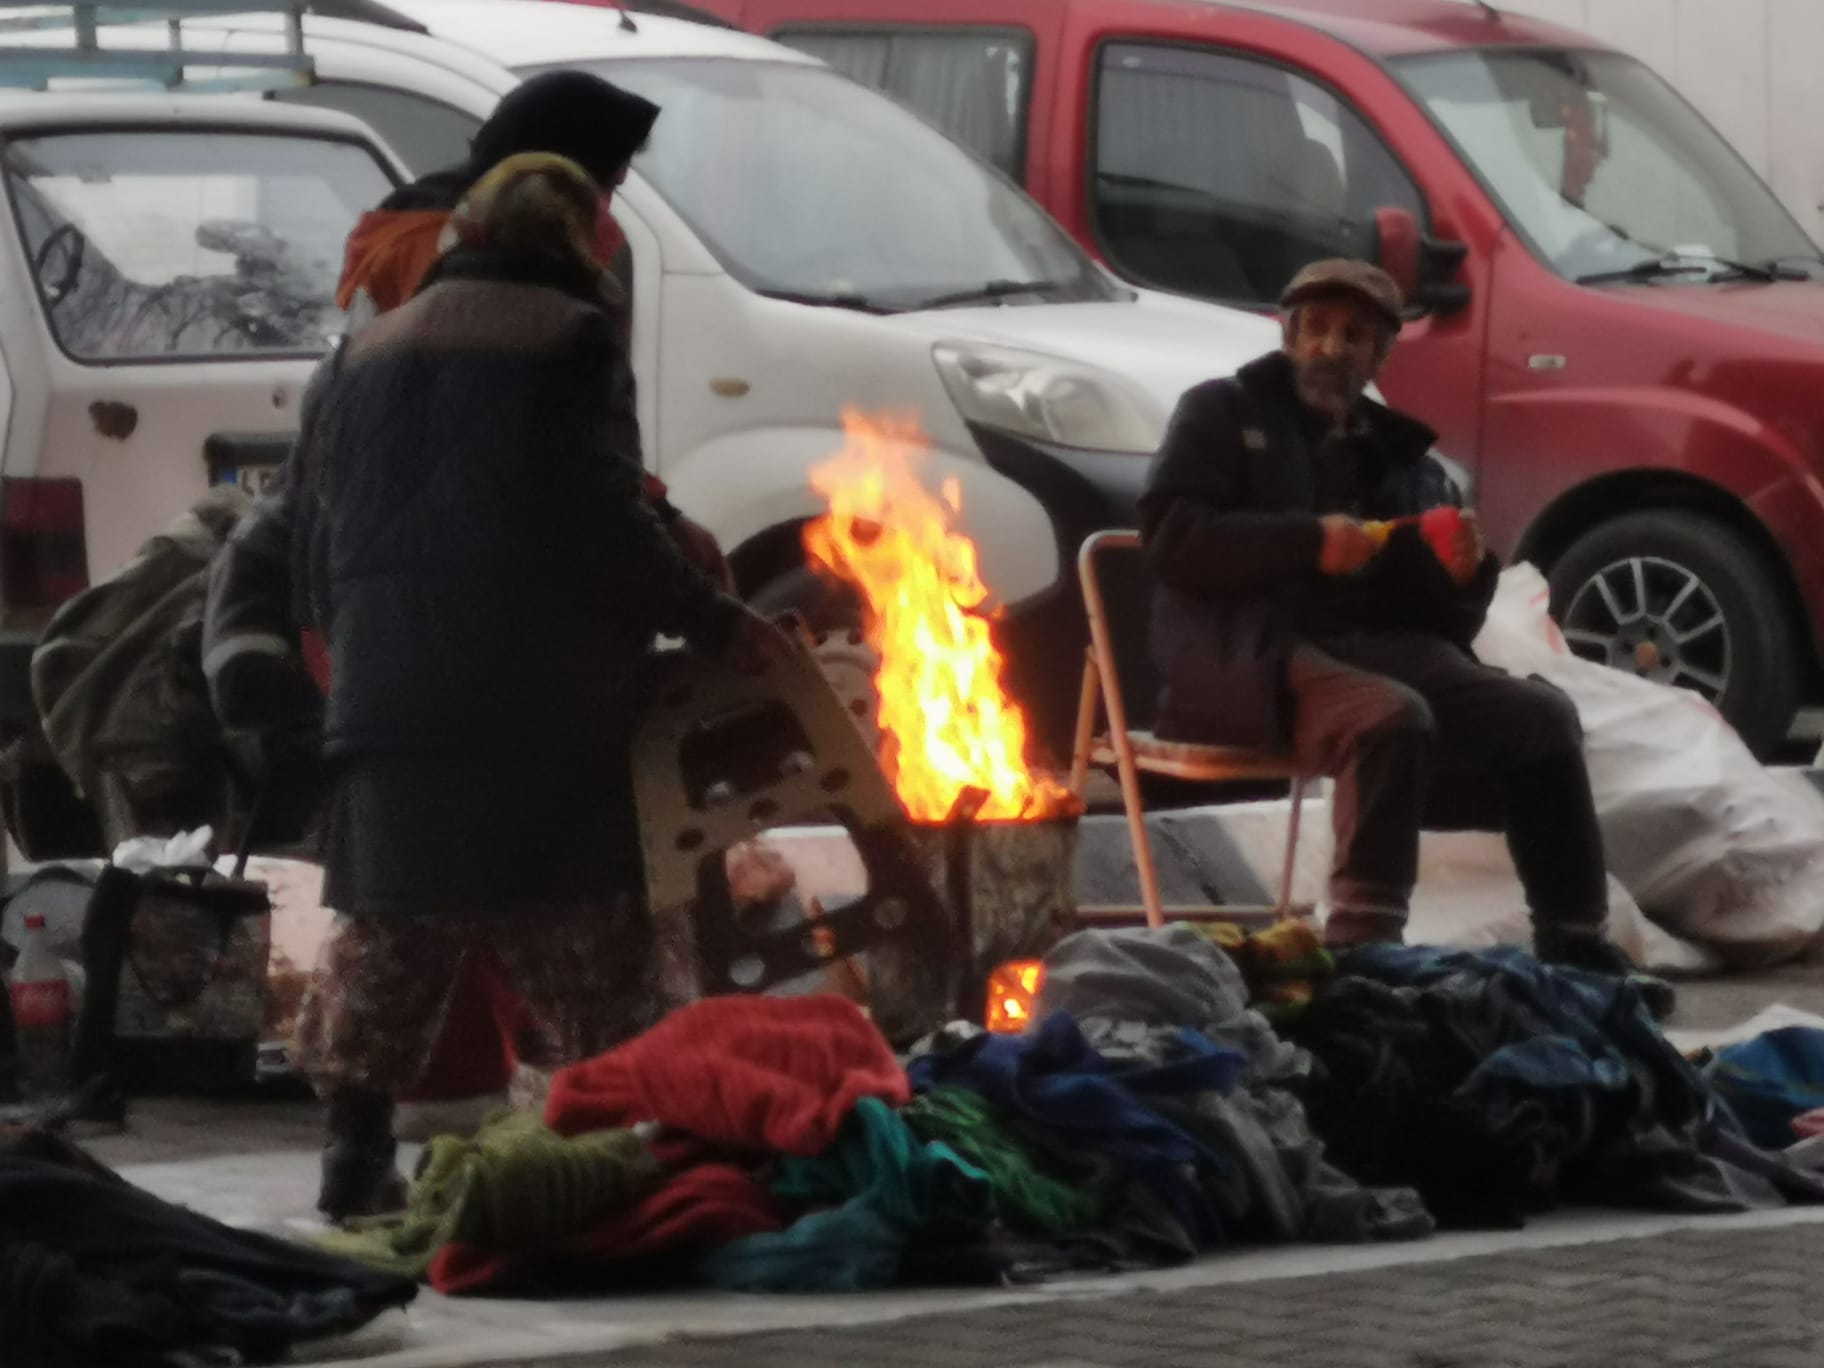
{"type": "Point", "coordinates": [1008, 890]}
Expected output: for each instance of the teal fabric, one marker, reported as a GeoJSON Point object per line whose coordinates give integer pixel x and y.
{"type": "Point", "coordinates": [874, 1192]}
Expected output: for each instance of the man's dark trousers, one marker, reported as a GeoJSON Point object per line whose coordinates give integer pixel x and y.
{"type": "Point", "coordinates": [1419, 734]}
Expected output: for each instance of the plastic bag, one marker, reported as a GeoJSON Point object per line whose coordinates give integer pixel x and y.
{"type": "Point", "coordinates": [186, 850]}
{"type": "Point", "coordinates": [1713, 846]}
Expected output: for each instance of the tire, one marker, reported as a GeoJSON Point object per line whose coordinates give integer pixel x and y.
{"type": "Point", "coordinates": [1715, 619]}
{"type": "Point", "coordinates": [834, 615]}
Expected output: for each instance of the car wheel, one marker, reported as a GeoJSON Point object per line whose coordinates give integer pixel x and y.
{"type": "Point", "coordinates": [1681, 599]}
{"type": "Point", "coordinates": [834, 615]}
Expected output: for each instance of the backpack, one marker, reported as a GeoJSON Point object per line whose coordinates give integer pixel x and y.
{"type": "Point", "coordinates": [118, 683]}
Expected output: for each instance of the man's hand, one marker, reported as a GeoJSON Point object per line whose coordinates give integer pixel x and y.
{"type": "Point", "coordinates": [1467, 550]}
{"type": "Point", "coordinates": [701, 549]}
{"type": "Point", "coordinates": [1348, 546]}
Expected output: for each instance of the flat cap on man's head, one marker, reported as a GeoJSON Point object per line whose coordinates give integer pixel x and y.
{"type": "Point", "coordinates": [1358, 279]}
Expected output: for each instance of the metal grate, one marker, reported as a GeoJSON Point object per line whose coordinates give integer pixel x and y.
{"type": "Point", "coordinates": [33, 67]}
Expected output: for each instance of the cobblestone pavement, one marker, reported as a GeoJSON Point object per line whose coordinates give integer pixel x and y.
{"type": "Point", "coordinates": [1740, 1299]}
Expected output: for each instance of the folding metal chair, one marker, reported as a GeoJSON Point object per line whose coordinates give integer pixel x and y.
{"type": "Point", "coordinates": [1130, 753]}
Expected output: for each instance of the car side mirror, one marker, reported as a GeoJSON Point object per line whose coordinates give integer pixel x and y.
{"type": "Point", "coordinates": [1422, 266]}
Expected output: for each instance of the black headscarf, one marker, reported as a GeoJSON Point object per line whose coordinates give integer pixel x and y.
{"type": "Point", "coordinates": [574, 114]}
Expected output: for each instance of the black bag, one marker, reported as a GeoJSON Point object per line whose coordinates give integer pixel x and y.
{"type": "Point", "coordinates": [176, 966]}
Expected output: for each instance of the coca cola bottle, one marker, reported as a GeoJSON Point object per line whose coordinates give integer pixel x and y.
{"type": "Point", "coordinates": [44, 1016]}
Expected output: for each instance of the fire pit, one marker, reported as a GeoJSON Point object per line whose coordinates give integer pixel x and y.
{"type": "Point", "coordinates": [1008, 893]}
{"type": "Point", "coordinates": [996, 837]}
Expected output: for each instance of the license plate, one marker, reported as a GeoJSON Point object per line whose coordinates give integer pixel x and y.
{"type": "Point", "coordinates": [252, 478]}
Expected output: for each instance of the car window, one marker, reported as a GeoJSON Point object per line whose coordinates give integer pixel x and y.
{"type": "Point", "coordinates": [1602, 166]}
{"type": "Point", "coordinates": [1222, 176]}
{"type": "Point", "coordinates": [159, 244]}
{"type": "Point", "coordinates": [971, 84]}
{"type": "Point", "coordinates": [428, 135]}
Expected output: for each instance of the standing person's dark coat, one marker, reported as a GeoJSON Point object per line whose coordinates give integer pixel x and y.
{"type": "Point", "coordinates": [461, 523]}
{"type": "Point", "coordinates": [473, 544]}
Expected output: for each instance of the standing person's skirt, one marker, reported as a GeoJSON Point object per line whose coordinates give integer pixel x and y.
{"type": "Point", "coordinates": [430, 861]}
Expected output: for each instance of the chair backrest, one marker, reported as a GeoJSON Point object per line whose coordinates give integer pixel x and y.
{"type": "Point", "coordinates": [1111, 612]}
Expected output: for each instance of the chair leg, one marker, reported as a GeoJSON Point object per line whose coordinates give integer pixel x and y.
{"type": "Point", "coordinates": [1086, 725]}
{"type": "Point", "coordinates": [1129, 773]}
{"type": "Point", "coordinates": [1284, 909]}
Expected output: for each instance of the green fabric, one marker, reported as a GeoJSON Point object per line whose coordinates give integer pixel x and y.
{"type": "Point", "coordinates": [515, 1186]}
{"type": "Point", "coordinates": [1027, 1196]}
{"type": "Point", "coordinates": [878, 1188]}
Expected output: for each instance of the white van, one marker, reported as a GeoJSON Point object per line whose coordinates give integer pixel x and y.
{"type": "Point", "coordinates": [800, 244]}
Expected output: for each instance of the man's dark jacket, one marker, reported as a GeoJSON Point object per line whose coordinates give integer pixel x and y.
{"type": "Point", "coordinates": [1233, 537]}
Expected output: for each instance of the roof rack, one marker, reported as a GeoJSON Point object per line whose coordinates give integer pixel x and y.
{"type": "Point", "coordinates": [35, 68]}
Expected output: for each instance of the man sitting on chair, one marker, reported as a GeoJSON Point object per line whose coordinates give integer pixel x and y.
{"type": "Point", "coordinates": [1284, 616]}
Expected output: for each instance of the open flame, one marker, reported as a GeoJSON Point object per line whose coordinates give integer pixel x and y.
{"type": "Point", "coordinates": [947, 724]}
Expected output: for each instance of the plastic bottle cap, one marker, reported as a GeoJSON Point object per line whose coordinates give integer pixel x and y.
{"type": "Point", "coordinates": [34, 921]}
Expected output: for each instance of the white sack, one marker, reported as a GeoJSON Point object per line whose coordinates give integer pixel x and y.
{"type": "Point", "coordinates": [1713, 846]}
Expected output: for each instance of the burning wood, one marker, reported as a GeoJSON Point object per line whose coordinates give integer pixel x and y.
{"type": "Point", "coordinates": [946, 721]}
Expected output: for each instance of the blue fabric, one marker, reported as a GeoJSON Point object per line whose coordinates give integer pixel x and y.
{"type": "Point", "coordinates": [1055, 1078]}
{"type": "Point", "coordinates": [1770, 1080]}
{"type": "Point", "coordinates": [879, 1189]}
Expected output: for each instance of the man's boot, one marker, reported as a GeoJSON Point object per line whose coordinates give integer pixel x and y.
{"type": "Point", "coordinates": [1578, 947]}
{"type": "Point", "coordinates": [359, 1151]}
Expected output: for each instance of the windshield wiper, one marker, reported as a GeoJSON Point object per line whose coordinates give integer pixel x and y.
{"type": "Point", "coordinates": [992, 290]}
{"type": "Point", "coordinates": [1678, 264]}
{"type": "Point", "coordinates": [1793, 272]}
{"type": "Point", "coordinates": [842, 299]}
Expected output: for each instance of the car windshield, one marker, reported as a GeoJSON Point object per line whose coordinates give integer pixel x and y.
{"type": "Point", "coordinates": [1604, 169]}
{"type": "Point", "coordinates": [808, 186]}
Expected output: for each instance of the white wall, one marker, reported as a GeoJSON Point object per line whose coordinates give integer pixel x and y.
{"type": "Point", "coordinates": [1754, 68]}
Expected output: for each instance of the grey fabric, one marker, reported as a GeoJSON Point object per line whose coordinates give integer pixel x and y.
{"type": "Point", "coordinates": [1172, 977]}
{"type": "Point", "coordinates": [1133, 992]}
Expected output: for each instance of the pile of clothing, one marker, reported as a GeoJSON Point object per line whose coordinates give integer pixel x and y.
{"type": "Point", "coordinates": [1151, 1085]}
{"type": "Point", "coordinates": [1150, 1113]}
{"type": "Point", "coordinates": [760, 1144]}
{"type": "Point", "coordinates": [1499, 1087]}
{"type": "Point", "coordinates": [744, 1142]}
{"type": "Point", "coordinates": [95, 1272]}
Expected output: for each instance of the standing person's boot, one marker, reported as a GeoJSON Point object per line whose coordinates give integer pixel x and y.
{"type": "Point", "coordinates": [1587, 948]}
{"type": "Point", "coordinates": [359, 1153]}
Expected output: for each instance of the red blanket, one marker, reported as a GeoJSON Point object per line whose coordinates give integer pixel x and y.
{"type": "Point", "coordinates": [769, 1075]}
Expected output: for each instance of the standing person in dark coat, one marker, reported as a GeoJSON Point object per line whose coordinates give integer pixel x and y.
{"type": "Point", "coordinates": [1282, 619]}
{"type": "Point", "coordinates": [574, 114]}
{"type": "Point", "coordinates": [600, 127]}
{"type": "Point", "coordinates": [477, 552]}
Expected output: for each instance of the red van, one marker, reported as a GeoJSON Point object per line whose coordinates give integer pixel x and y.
{"type": "Point", "coordinates": [1619, 330]}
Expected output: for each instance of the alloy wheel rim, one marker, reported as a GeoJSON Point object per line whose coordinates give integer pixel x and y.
{"type": "Point", "coordinates": [1656, 619]}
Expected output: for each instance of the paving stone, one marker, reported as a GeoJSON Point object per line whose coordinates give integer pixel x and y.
{"type": "Point", "coordinates": [1741, 1298]}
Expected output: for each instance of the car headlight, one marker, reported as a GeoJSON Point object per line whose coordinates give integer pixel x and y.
{"type": "Point", "coordinates": [1030, 394]}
